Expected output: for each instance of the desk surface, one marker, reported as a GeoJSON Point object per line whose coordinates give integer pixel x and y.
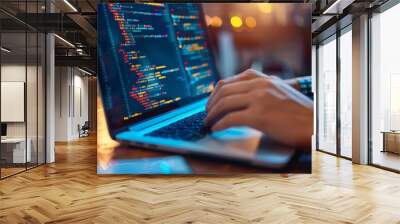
{"type": "Point", "coordinates": [390, 132]}
{"type": "Point", "coordinates": [110, 152]}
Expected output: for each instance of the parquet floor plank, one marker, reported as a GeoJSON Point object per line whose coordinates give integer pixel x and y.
{"type": "Point", "coordinates": [70, 191]}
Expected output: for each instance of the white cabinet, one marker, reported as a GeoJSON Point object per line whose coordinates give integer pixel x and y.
{"type": "Point", "coordinates": [17, 148]}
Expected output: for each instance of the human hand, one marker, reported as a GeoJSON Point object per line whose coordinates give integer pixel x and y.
{"type": "Point", "coordinates": [262, 102]}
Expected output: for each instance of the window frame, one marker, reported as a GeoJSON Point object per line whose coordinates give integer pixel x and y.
{"type": "Point", "coordinates": [378, 10]}
{"type": "Point", "coordinates": [333, 37]}
{"type": "Point", "coordinates": [27, 29]}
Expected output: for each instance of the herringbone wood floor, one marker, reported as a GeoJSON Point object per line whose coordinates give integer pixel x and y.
{"type": "Point", "coordinates": [69, 191]}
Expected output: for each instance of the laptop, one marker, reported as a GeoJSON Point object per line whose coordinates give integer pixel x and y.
{"type": "Point", "coordinates": [156, 71]}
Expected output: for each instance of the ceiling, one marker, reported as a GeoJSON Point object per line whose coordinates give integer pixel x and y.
{"type": "Point", "coordinates": [75, 21]}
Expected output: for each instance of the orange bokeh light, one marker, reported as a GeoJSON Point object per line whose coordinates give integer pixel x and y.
{"type": "Point", "coordinates": [216, 21]}
{"type": "Point", "coordinates": [250, 22]}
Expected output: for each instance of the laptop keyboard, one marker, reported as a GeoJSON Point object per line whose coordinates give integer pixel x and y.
{"type": "Point", "coordinates": [190, 129]}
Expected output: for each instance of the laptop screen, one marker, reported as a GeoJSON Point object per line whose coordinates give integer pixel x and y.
{"type": "Point", "coordinates": [152, 57]}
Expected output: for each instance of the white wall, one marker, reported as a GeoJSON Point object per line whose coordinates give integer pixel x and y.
{"type": "Point", "coordinates": [33, 127]}
{"type": "Point", "coordinates": [12, 73]}
{"type": "Point", "coordinates": [61, 104]}
{"type": "Point", "coordinates": [80, 100]}
{"type": "Point", "coordinates": [71, 94]}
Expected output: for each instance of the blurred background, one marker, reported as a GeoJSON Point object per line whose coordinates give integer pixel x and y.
{"type": "Point", "coordinates": [274, 38]}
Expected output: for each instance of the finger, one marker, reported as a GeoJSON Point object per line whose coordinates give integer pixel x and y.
{"type": "Point", "coordinates": [222, 83]}
{"type": "Point", "coordinates": [226, 90]}
{"type": "Point", "coordinates": [237, 118]}
{"type": "Point", "coordinates": [217, 86]}
{"type": "Point", "coordinates": [237, 88]}
{"type": "Point", "coordinates": [227, 105]}
{"type": "Point", "coordinates": [248, 74]}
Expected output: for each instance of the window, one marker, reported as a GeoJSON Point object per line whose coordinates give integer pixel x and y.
{"type": "Point", "coordinates": [22, 77]}
{"type": "Point", "coordinates": [346, 92]}
{"type": "Point", "coordinates": [385, 88]}
{"type": "Point", "coordinates": [327, 95]}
